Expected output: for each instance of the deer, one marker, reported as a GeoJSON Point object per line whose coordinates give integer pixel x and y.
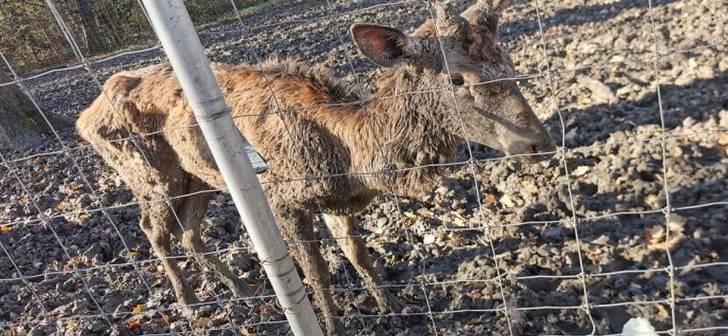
{"type": "Point", "coordinates": [317, 136]}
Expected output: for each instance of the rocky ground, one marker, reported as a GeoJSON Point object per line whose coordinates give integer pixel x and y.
{"type": "Point", "coordinates": [442, 252]}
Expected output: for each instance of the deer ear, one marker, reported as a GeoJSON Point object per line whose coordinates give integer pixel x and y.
{"type": "Point", "coordinates": [485, 14]}
{"type": "Point", "coordinates": [382, 45]}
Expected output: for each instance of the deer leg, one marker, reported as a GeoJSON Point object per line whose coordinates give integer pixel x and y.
{"type": "Point", "coordinates": [150, 176]}
{"type": "Point", "coordinates": [191, 212]}
{"type": "Point", "coordinates": [156, 230]}
{"type": "Point", "coordinates": [297, 227]}
{"type": "Point", "coordinates": [345, 229]}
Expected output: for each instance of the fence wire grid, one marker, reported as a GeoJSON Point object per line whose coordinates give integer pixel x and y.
{"type": "Point", "coordinates": [628, 219]}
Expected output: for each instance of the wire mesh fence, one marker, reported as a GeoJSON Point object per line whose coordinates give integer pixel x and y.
{"type": "Point", "coordinates": [627, 219]}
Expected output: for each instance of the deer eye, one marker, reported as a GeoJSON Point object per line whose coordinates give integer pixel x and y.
{"type": "Point", "coordinates": [457, 80]}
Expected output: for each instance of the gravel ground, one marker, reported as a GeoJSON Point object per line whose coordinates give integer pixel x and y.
{"type": "Point", "coordinates": [440, 250]}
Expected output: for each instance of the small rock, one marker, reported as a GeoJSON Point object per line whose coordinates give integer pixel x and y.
{"type": "Point", "coordinates": [584, 188]}
{"type": "Point", "coordinates": [625, 90]}
{"type": "Point", "coordinates": [685, 79]}
{"type": "Point", "coordinates": [655, 201]}
{"type": "Point", "coordinates": [38, 331]}
{"type": "Point", "coordinates": [601, 240]}
{"type": "Point", "coordinates": [705, 72]}
{"type": "Point", "coordinates": [676, 222]}
{"type": "Point", "coordinates": [689, 122]}
{"type": "Point", "coordinates": [601, 93]}
{"type": "Point", "coordinates": [723, 64]}
{"type": "Point", "coordinates": [588, 48]}
{"type": "Point", "coordinates": [97, 326]}
{"type": "Point", "coordinates": [571, 135]}
{"type": "Point", "coordinates": [723, 139]}
{"type": "Point", "coordinates": [62, 310]}
{"type": "Point", "coordinates": [241, 260]}
{"type": "Point", "coordinates": [113, 300]}
{"type": "Point", "coordinates": [580, 171]}
{"type": "Point", "coordinates": [506, 201]}
{"type": "Point", "coordinates": [617, 59]}
{"type": "Point", "coordinates": [543, 251]}
{"type": "Point", "coordinates": [676, 151]}
{"type": "Point", "coordinates": [553, 232]}
{"type": "Point", "coordinates": [99, 252]}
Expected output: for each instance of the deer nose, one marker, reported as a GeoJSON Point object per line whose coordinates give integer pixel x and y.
{"type": "Point", "coordinates": [540, 151]}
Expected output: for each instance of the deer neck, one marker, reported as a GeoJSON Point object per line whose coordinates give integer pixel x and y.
{"type": "Point", "coordinates": [409, 132]}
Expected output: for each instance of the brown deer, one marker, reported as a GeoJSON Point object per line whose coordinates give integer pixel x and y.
{"type": "Point", "coordinates": [316, 139]}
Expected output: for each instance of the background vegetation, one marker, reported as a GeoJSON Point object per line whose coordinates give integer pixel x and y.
{"type": "Point", "coordinates": [32, 41]}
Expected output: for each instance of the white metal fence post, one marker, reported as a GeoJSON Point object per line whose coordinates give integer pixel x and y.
{"type": "Point", "coordinates": [179, 39]}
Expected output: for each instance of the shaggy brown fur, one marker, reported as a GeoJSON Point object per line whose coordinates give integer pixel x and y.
{"type": "Point", "coordinates": [325, 151]}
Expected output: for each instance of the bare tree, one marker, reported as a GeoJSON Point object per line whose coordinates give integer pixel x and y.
{"type": "Point", "coordinates": [90, 26]}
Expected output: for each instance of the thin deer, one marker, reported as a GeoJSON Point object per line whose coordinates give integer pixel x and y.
{"type": "Point", "coordinates": [327, 149]}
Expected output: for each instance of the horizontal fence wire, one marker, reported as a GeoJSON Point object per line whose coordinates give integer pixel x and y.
{"type": "Point", "coordinates": [456, 164]}
{"type": "Point", "coordinates": [407, 314]}
{"type": "Point", "coordinates": [338, 104]}
{"type": "Point", "coordinates": [45, 217]}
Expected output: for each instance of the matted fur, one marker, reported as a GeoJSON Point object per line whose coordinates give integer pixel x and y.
{"type": "Point", "coordinates": [327, 149]}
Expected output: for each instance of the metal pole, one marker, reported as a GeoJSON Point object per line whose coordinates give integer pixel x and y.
{"type": "Point", "coordinates": [179, 39]}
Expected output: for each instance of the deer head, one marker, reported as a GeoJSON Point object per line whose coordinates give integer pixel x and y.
{"type": "Point", "coordinates": [462, 50]}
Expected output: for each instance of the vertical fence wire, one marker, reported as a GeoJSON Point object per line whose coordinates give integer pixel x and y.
{"type": "Point", "coordinates": [486, 227]}
{"type": "Point", "coordinates": [586, 307]}
{"type": "Point", "coordinates": [73, 44]}
{"type": "Point", "coordinates": [426, 295]}
{"type": "Point", "coordinates": [667, 209]}
{"type": "Point", "coordinates": [31, 287]}
{"type": "Point", "coordinates": [30, 195]}
{"type": "Point", "coordinates": [280, 112]}
{"type": "Point", "coordinates": [167, 199]}
{"type": "Point", "coordinates": [197, 79]}
{"type": "Point", "coordinates": [68, 35]}
{"type": "Point", "coordinates": [310, 172]}
{"type": "Point", "coordinates": [471, 160]}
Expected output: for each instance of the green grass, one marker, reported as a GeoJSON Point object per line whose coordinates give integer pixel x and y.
{"type": "Point", "coordinates": [258, 7]}
{"type": "Point", "coordinates": [227, 18]}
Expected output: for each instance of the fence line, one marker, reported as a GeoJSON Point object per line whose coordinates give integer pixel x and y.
{"type": "Point", "coordinates": [83, 61]}
{"type": "Point", "coordinates": [361, 101]}
{"type": "Point", "coordinates": [47, 225]}
{"type": "Point", "coordinates": [245, 29]}
{"type": "Point", "coordinates": [665, 184]}
{"type": "Point", "coordinates": [688, 268]}
{"type": "Point", "coordinates": [374, 235]}
{"type": "Point", "coordinates": [423, 313]}
{"type": "Point", "coordinates": [44, 218]}
{"type": "Point", "coordinates": [448, 165]}
{"type": "Point", "coordinates": [586, 307]}
{"type": "Point", "coordinates": [227, 146]}
{"type": "Point", "coordinates": [252, 28]}
{"type": "Point", "coordinates": [77, 52]}
{"type": "Point", "coordinates": [301, 179]}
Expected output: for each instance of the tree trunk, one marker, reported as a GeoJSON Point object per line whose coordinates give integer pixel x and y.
{"type": "Point", "coordinates": [21, 125]}
{"type": "Point", "coordinates": [90, 27]}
